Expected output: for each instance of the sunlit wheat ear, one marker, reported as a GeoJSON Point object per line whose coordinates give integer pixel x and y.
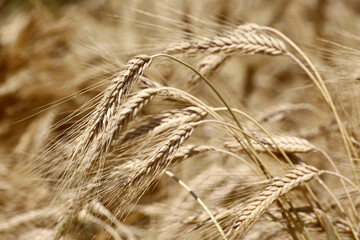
{"type": "Point", "coordinates": [239, 41]}
{"type": "Point", "coordinates": [146, 173]}
{"type": "Point", "coordinates": [112, 98]}
{"type": "Point", "coordinates": [164, 156]}
{"type": "Point", "coordinates": [258, 205]}
{"type": "Point", "coordinates": [286, 143]}
{"type": "Point", "coordinates": [209, 64]}
{"type": "Point", "coordinates": [99, 147]}
{"type": "Point", "coordinates": [165, 121]}
{"type": "Point", "coordinates": [117, 123]}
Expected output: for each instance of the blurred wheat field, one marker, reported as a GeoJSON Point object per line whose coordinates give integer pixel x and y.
{"type": "Point", "coordinates": [182, 119]}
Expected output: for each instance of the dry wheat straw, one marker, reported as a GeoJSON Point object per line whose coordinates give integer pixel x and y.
{"type": "Point", "coordinates": [87, 217]}
{"type": "Point", "coordinates": [198, 199]}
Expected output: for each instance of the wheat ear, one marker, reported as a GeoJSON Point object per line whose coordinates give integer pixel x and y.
{"type": "Point", "coordinates": [114, 94]}
{"type": "Point", "coordinates": [164, 155]}
{"type": "Point", "coordinates": [258, 205]}
{"type": "Point", "coordinates": [117, 123]}
{"type": "Point", "coordinates": [236, 42]}
{"type": "Point", "coordinates": [288, 144]}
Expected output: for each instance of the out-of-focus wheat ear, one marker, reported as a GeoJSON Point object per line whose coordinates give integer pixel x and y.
{"type": "Point", "coordinates": [145, 82]}
{"type": "Point", "coordinates": [86, 217]}
{"type": "Point", "coordinates": [37, 234]}
{"type": "Point", "coordinates": [341, 226]}
{"type": "Point", "coordinates": [235, 42]}
{"type": "Point", "coordinates": [165, 121]}
{"type": "Point", "coordinates": [278, 113]}
{"type": "Point", "coordinates": [207, 66]}
{"type": "Point", "coordinates": [288, 144]}
{"type": "Point", "coordinates": [36, 135]}
{"type": "Point", "coordinates": [201, 203]}
{"type": "Point", "coordinates": [259, 205]}
{"type": "Point", "coordinates": [163, 156]}
{"type": "Point", "coordinates": [99, 209]}
{"type": "Point", "coordinates": [50, 214]}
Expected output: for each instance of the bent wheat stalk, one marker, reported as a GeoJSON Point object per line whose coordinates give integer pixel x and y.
{"type": "Point", "coordinates": [201, 203]}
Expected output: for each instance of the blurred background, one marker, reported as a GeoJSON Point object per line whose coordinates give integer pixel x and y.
{"type": "Point", "coordinates": [57, 55]}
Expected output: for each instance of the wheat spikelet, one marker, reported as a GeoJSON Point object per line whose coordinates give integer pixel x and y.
{"type": "Point", "coordinates": [237, 41]}
{"type": "Point", "coordinates": [286, 143]}
{"type": "Point", "coordinates": [280, 186]}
